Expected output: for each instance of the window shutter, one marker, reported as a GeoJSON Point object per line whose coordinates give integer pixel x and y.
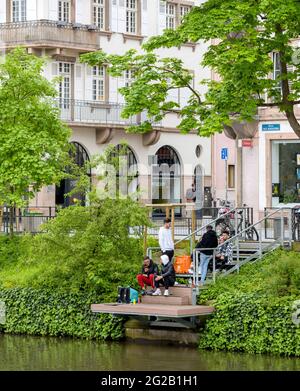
{"type": "Point", "coordinates": [54, 69]}
{"type": "Point", "coordinates": [53, 10]}
{"type": "Point", "coordinates": [114, 16]}
{"type": "Point", "coordinates": [3, 13]}
{"type": "Point", "coordinates": [31, 11]}
{"type": "Point", "coordinates": [144, 19]}
{"type": "Point", "coordinates": [78, 90]}
{"type": "Point", "coordinates": [88, 83]}
{"type": "Point", "coordinates": [113, 89]}
{"type": "Point", "coordinates": [82, 12]}
{"type": "Point", "coordinates": [162, 17]}
{"type": "Point", "coordinates": [122, 17]}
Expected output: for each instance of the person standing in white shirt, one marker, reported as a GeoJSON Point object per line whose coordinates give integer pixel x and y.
{"type": "Point", "coordinates": [166, 243]}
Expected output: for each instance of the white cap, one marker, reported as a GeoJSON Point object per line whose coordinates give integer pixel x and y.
{"type": "Point", "coordinates": [164, 259]}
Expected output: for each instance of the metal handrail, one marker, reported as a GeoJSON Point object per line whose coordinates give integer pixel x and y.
{"type": "Point", "coordinates": [198, 250]}
{"type": "Point", "coordinates": [196, 231]}
{"type": "Point", "coordinates": [204, 226]}
{"type": "Point", "coordinates": [241, 232]}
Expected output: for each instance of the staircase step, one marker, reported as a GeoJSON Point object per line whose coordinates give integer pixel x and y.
{"type": "Point", "coordinates": [179, 291]}
{"type": "Point", "coordinates": [168, 300]}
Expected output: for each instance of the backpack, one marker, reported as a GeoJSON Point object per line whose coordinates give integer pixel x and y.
{"type": "Point", "coordinates": [127, 295]}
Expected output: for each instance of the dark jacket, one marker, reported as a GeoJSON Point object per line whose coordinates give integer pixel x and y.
{"type": "Point", "coordinates": [153, 268]}
{"type": "Point", "coordinates": [209, 240]}
{"type": "Point", "coordinates": [168, 271]}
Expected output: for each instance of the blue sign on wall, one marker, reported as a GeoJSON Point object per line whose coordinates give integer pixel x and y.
{"type": "Point", "coordinates": [224, 153]}
{"type": "Point", "coordinates": [271, 127]}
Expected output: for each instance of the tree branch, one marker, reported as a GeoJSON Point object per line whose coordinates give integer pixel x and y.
{"type": "Point", "coordinates": [187, 85]}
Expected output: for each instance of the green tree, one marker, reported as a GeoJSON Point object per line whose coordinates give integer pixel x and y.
{"type": "Point", "coordinates": [241, 37]}
{"type": "Point", "coordinates": [34, 148]}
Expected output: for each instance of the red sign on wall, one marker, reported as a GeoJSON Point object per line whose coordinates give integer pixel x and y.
{"type": "Point", "coordinates": [247, 143]}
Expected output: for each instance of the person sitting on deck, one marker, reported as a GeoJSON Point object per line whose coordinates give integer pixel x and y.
{"type": "Point", "coordinates": [225, 253]}
{"type": "Point", "coordinates": [167, 277]}
{"type": "Point", "coordinates": [147, 275]}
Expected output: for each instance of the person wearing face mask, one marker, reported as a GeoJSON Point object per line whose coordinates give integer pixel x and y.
{"type": "Point", "coordinates": [167, 277]}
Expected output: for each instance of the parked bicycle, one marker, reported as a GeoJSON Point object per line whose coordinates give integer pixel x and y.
{"type": "Point", "coordinates": [226, 222]}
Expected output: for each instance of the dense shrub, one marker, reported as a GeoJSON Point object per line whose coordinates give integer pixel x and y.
{"type": "Point", "coordinates": [254, 324]}
{"type": "Point", "coordinates": [254, 308]}
{"type": "Point", "coordinates": [56, 313]}
{"type": "Point", "coordinates": [11, 249]}
{"type": "Point", "coordinates": [83, 248]}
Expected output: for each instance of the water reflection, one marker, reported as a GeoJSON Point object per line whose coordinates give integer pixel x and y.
{"type": "Point", "coordinates": [39, 353]}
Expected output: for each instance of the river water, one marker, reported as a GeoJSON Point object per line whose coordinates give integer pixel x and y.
{"type": "Point", "coordinates": [44, 353]}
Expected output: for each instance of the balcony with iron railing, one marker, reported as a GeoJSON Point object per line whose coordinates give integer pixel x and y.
{"type": "Point", "coordinates": [97, 113]}
{"type": "Point", "coordinates": [49, 34]}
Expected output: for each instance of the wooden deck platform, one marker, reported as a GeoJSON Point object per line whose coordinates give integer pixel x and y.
{"type": "Point", "coordinates": [163, 310]}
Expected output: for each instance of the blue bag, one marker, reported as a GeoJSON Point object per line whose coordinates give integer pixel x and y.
{"type": "Point", "coordinates": [134, 295]}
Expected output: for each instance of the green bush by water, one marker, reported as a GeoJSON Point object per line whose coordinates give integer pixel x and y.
{"type": "Point", "coordinates": [254, 308]}
{"type": "Point", "coordinates": [57, 313]}
{"type": "Point", "coordinates": [83, 248]}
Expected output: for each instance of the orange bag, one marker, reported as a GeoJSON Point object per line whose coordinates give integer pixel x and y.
{"type": "Point", "coordinates": [182, 264]}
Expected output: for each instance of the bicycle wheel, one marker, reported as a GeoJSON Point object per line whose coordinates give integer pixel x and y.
{"type": "Point", "coordinates": [296, 232]}
{"type": "Point", "coordinates": [222, 226]}
{"type": "Point", "coordinates": [252, 234]}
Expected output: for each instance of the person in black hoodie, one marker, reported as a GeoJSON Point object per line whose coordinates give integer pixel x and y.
{"type": "Point", "coordinates": [148, 273]}
{"type": "Point", "coordinates": [209, 240]}
{"type": "Point", "coordinates": [167, 277]}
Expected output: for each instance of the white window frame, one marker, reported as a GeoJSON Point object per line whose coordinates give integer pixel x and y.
{"type": "Point", "coordinates": [99, 14]}
{"type": "Point", "coordinates": [65, 84]}
{"type": "Point", "coordinates": [184, 10]}
{"type": "Point", "coordinates": [170, 16]}
{"type": "Point", "coordinates": [98, 83]}
{"type": "Point", "coordinates": [131, 16]}
{"type": "Point", "coordinates": [128, 77]}
{"type": "Point", "coordinates": [276, 70]}
{"type": "Point", "coordinates": [64, 11]}
{"type": "Point", "coordinates": [18, 10]}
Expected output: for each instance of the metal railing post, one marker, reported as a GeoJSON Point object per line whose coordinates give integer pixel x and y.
{"type": "Point", "coordinates": [214, 266]}
{"type": "Point", "coordinates": [282, 228]}
{"type": "Point", "coordinates": [238, 254]}
{"type": "Point", "coordinates": [260, 242]}
{"type": "Point", "coordinates": [195, 284]}
{"type": "Point", "coordinates": [236, 222]}
{"type": "Point", "coordinates": [290, 228]}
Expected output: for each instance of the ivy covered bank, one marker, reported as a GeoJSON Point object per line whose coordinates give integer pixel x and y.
{"type": "Point", "coordinates": [256, 309]}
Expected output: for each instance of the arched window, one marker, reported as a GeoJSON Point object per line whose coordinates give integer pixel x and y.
{"type": "Point", "coordinates": [167, 155]}
{"type": "Point", "coordinates": [127, 168]}
{"type": "Point", "coordinates": [166, 179]}
{"type": "Point", "coordinates": [80, 157]}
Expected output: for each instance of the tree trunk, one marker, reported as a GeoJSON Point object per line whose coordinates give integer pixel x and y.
{"type": "Point", "coordinates": [286, 103]}
{"type": "Point", "coordinates": [290, 115]}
